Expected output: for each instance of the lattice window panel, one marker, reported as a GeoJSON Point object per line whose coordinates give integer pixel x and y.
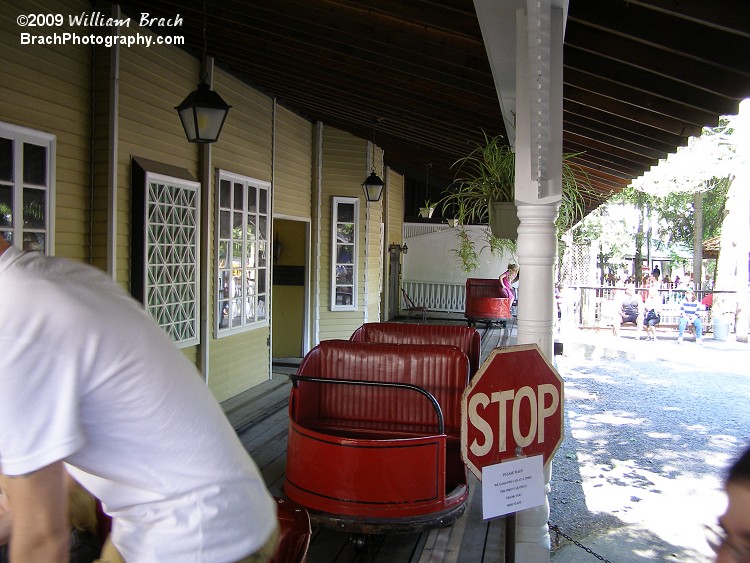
{"type": "Point", "coordinates": [576, 266]}
{"type": "Point", "coordinates": [171, 246]}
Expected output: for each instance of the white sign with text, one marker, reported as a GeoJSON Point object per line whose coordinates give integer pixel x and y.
{"type": "Point", "coordinates": [511, 486]}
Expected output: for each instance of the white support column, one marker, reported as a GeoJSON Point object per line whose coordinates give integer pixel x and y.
{"type": "Point", "coordinates": [537, 245]}
{"type": "Point", "coordinates": [537, 242]}
{"type": "Point", "coordinates": [530, 94]}
{"type": "Point", "coordinates": [539, 38]}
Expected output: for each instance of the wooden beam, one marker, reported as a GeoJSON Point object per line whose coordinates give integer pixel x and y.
{"type": "Point", "coordinates": [710, 77]}
{"type": "Point", "coordinates": [604, 131]}
{"type": "Point", "coordinates": [626, 94]}
{"type": "Point", "coordinates": [685, 38]}
{"type": "Point", "coordinates": [732, 16]}
{"type": "Point", "coordinates": [615, 142]}
{"type": "Point", "coordinates": [664, 87]}
{"type": "Point", "coordinates": [615, 152]}
{"type": "Point", "coordinates": [621, 109]}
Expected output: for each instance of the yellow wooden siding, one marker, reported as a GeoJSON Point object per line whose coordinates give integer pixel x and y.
{"type": "Point", "coordinates": [293, 174]}
{"type": "Point", "coordinates": [373, 229]}
{"type": "Point", "coordinates": [247, 356]}
{"type": "Point", "coordinates": [245, 143]}
{"type": "Point", "coordinates": [101, 151]}
{"type": "Point", "coordinates": [345, 167]}
{"type": "Point", "coordinates": [395, 202]}
{"type": "Point", "coordinates": [374, 262]}
{"type": "Point", "coordinates": [47, 88]}
{"type": "Point", "coordinates": [152, 81]}
{"type": "Point", "coordinates": [239, 361]}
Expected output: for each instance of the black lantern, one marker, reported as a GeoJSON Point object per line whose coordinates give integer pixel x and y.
{"type": "Point", "coordinates": [202, 114]}
{"type": "Point", "coordinates": [373, 187]}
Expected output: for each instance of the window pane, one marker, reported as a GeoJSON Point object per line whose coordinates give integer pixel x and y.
{"type": "Point", "coordinates": [6, 160]}
{"type": "Point", "coordinates": [249, 309]}
{"type": "Point", "coordinates": [34, 208]}
{"type": "Point", "coordinates": [7, 235]}
{"type": "Point", "coordinates": [236, 254]}
{"type": "Point", "coordinates": [344, 275]}
{"type": "Point", "coordinates": [236, 283]}
{"type": "Point", "coordinates": [262, 253]}
{"type": "Point", "coordinates": [225, 226]}
{"type": "Point", "coordinates": [223, 284]}
{"type": "Point", "coordinates": [263, 204]}
{"type": "Point", "coordinates": [345, 233]}
{"type": "Point", "coordinates": [261, 308]}
{"type": "Point", "coordinates": [251, 228]}
{"type": "Point", "coordinates": [343, 295]}
{"type": "Point", "coordinates": [250, 258]}
{"type": "Point", "coordinates": [262, 227]}
{"type": "Point", "coordinates": [238, 189]}
{"type": "Point", "coordinates": [345, 213]}
{"type": "Point", "coordinates": [34, 241]}
{"type": "Point", "coordinates": [237, 226]}
{"type": "Point", "coordinates": [261, 280]}
{"type": "Point", "coordinates": [6, 206]}
{"type": "Point", "coordinates": [250, 279]}
{"type": "Point", "coordinates": [225, 193]}
{"type": "Point", "coordinates": [223, 254]}
{"type": "Point", "coordinates": [34, 164]}
{"type": "Point", "coordinates": [252, 202]}
{"type": "Point", "coordinates": [224, 314]}
{"type": "Point", "coordinates": [345, 254]}
{"type": "Point", "coordinates": [236, 312]}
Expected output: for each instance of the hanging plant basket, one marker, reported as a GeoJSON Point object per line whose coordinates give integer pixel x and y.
{"type": "Point", "coordinates": [426, 212]}
{"type": "Point", "coordinates": [504, 220]}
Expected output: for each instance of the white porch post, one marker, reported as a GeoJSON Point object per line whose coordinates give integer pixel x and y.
{"type": "Point", "coordinates": [530, 93]}
{"type": "Point", "coordinates": [536, 255]}
{"type": "Point", "coordinates": [537, 244]}
{"type": "Point", "coordinates": [538, 144]}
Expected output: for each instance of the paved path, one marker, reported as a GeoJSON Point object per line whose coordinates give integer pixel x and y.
{"type": "Point", "coordinates": [650, 428]}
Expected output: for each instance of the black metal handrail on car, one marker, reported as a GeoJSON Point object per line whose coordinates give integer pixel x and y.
{"type": "Point", "coordinates": [420, 390]}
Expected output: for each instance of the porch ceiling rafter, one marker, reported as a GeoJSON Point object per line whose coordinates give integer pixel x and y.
{"type": "Point", "coordinates": [640, 76]}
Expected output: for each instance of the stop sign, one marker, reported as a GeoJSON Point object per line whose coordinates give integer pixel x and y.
{"type": "Point", "coordinates": [513, 406]}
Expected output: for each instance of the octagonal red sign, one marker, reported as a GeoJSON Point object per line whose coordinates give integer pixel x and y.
{"type": "Point", "coordinates": [513, 407]}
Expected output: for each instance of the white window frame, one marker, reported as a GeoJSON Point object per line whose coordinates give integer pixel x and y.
{"type": "Point", "coordinates": [228, 296]}
{"type": "Point", "coordinates": [171, 255]}
{"type": "Point", "coordinates": [20, 135]}
{"type": "Point", "coordinates": [335, 244]}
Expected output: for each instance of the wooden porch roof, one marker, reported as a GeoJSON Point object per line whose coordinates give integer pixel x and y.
{"type": "Point", "coordinates": [640, 76]}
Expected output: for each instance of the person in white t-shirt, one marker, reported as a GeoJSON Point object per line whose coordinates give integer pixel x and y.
{"type": "Point", "coordinates": [89, 384]}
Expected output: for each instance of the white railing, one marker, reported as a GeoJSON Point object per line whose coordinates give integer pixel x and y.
{"type": "Point", "coordinates": [418, 229]}
{"type": "Point", "coordinates": [596, 306]}
{"type": "Point", "coordinates": [437, 296]}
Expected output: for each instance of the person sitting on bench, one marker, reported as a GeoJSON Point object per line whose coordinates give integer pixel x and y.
{"type": "Point", "coordinates": [689, 315]}
{"type": "Point", "coordinates": [631, 311]}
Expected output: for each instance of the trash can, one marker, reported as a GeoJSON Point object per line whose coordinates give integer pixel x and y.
{"type": "Point", "coordinates": [721, 328]}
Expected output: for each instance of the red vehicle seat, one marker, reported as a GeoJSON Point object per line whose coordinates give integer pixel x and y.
{"type": "Point", "coordinates": [483, 301]}
{"type": "Point", "coordinates": [465, 338]}
{"type": "Point", "coordinates": [373, 459]}
{"type": "Point", "coordinates": [294, 532]}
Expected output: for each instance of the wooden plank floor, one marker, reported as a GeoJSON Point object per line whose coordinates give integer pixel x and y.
{"type": "Point", "coordinates": [261, 419]}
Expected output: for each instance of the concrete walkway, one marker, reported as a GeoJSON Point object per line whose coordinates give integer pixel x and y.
{"type": "Point", "coordinates": [629, 543]}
